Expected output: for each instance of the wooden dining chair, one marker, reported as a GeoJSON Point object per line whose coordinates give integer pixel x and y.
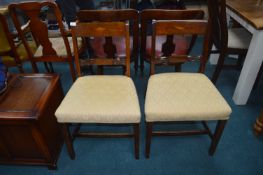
{"type": "Point", "coordinates": [179, 96]}
{"type": "Point", "coordinates": [166, 45]}
{"type": "Point", "coordinates": [113, 46]}
{"type": "Point", "coordinates": [101, 99]}
{"type": "Point", "coordinates": [50, 50]}
{"type": "Point", "coordinates": [227, 41]}
{"type": "Point", "coordinates": [13, 53]}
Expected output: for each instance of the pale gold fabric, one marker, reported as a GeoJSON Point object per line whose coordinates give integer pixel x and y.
{"type": "Point", "coordinates": [21, 51]}
{"type": "Point", "coordinates": [100, 99]}
{"type": "Point", "coordinates": [184, 97]}
{"type": "Point", "coordinates": [239, 38]}
{"type": "Point", "coordinates": [59, 46]}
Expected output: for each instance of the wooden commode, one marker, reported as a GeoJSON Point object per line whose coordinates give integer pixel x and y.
{"type": "Point", "coordinates": [29, 132]}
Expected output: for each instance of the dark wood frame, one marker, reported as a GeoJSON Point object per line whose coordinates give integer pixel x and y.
{"type": "Point", "coordinates": [183, 27]}
{"type": "Point", "coordinates": [39, 31]}
{"type": "Point", "coordinates": [150, 15]}
{"type": "Point", "coordinates": [215, 137]}
{"type": "Point", "coordinates": [105, 29]}
{"type": "Point", "coordinates": [126, 15]}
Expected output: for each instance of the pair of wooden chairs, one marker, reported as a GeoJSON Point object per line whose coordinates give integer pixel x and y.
{"type": "Point", "coordinates": [170, 97]}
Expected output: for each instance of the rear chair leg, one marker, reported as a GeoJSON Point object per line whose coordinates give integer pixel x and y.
{"type": "Point", "coordinates": [148, 138]}
{"type": "Point", "coordinates": [136, 128]}
{"type": "Point", "coordinates": [217, 135]}
{"type": "Point", "coordinates": [68, 140]}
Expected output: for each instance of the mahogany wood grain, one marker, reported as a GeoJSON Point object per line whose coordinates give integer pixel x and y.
{"type": "Point", "coordinates": [184, 28]}
{"type": "Point", "coordinates": [114, 46]}
{"type": "Point", "coordinates": [168, 47]}
{"type": "Point", "coordinates": [29, 131]}
{"type": "Point", "coordinates": [101, 29]}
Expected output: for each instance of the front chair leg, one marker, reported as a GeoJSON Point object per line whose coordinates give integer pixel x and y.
{"type": "Point", "coordinates": [68, 140]}
{"type": "Point", "coordinates": [148, 138]}
{"type": "Point", "coordinates": [136, 128]}
{"type": "Point", "coordinates": [217, 135]}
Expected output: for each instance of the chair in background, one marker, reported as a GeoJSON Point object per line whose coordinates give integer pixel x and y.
{"type": "Point", "coordinates": [13, 53]}
{"type": "Point", "coordinates": [49, 49]}
{"type": "Point", "coordinates": [117, 4]}
{"type": "Point", "coordinates": [113, 47]}
{"type": "Point", "coordinates": [166, 45]}
{"type": "Point", "coordinates": [234, 41]}
{"type": "Point", "coordinates": [101, 99]}
{"type": "Point", "coordinates": [177, 97]}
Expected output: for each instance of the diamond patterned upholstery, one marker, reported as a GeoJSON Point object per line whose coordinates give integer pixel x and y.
{"type": "Point", "coordinates": [184, 97]}
{"type": "Point", "coordinates": [100, 99]}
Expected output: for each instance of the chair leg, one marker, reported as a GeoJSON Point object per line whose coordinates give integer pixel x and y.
{"type": "Point", "coordinates": [135, 64]}
{"type": "Point", "coordinates": [68, 140]}
{"type": "Point", "coordinates": [240, 61]}
{"type": "Point", "coordinates": [136, 128]}
{"type": "Point", "coordinates": [51, 67]}
{"type": "Point", "coordinates": [34, 67]}
{"type": "Point", "coordinates": [217, 135]}
{"type": "Point", "coordinates": [219, 67]}
{"type": "Point", "coordinates": [72, 71]}
{"type": "Point", "coordinates": [148, 138]}
{"type": "Point", "coordinates": [141, 63]}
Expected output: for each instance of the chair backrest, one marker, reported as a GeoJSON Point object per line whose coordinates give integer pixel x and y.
{"type": "Point", "coordinates": [7, 45]}
{"type": "Point", "coordinates": [182, 28]}
{"type": "Point", "coordinates": [38, 27]}
{"type": "Point", "coordinates": [149, 15]}
{"type": "Point", "coordinates": [126, 15]}
{"type": "Point", "coordinates": [217, 13]}
{"type": "Point", "coordinates": [101, 29]}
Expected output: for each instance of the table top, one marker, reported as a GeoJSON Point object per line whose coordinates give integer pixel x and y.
{"type": "Point", "coordinates": [249, 10]}
{"type": "Point", "coordinates": [26, 95]}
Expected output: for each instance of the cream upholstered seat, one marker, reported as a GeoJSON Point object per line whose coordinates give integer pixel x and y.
{"type": "Point", "coordinates": [184, 97]}
{"type": "Point", "coordinates": [174, 97]}
{"type": "Point", "coordinates": [100, 99]}
{"type": "Point", "coordinates": [103, 99]}
{"type": "Point", "coordinates": [59, 46]}
{"type": "Point", "coordinates": [239, 38]}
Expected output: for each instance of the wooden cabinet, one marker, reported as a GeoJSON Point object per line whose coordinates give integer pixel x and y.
{"type": "Point", "coordinates": [29, 132]}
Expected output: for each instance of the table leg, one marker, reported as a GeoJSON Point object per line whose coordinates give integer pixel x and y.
{"type": "Point", "coordinates": [258, 126]}
{"type": "Point", "coordinates": [250, 69]}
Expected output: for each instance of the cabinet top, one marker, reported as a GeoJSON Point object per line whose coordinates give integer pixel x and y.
{"type": "Point", "coordinates": [26, 95]}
